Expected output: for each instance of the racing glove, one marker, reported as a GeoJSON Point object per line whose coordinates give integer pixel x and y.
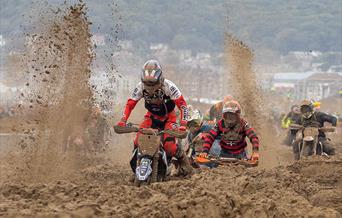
{"type": "Point", "coordinates": [122, 123]}
{"type": "Point", "coordinates": [203, 155]}
{"type": "Point", "coordinates": [255, 156]}
{"type": "Point", "coordinates": [182, 128]}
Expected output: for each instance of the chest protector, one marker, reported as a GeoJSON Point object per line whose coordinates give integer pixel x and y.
{"type": "Point", "coordinates": [311, 122]}
{"type": "Point", "coordinates": [158, 103]}
{"type": "Point", "coordinates": [232, 135]}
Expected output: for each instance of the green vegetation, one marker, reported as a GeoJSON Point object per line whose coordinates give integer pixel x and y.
{"type": "Point", "coordinates": [200, 25]}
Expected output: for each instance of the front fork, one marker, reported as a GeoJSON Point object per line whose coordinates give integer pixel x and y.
{"type": "Point", "coordinates": [155, 162]}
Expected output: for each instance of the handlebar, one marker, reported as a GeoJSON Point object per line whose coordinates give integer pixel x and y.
{"type": "Point", "coordinates": [296, 126]}
{"type": "Point", "coordinates": [176, 133]}
{"type": "Point", "coordinates": [129, 128]}
{"type": "Point", "coordinates": [323, 129]}
{"type": "Point", "coordinates": [225, 160]}
{"type": "Point", "coordinates": [125, 129]}
{"type": "Point", "coordinates": [327, 129]}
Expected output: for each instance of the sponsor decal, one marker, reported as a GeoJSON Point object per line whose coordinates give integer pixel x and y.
{"type": "Point", "coordinates": [135, 93]}
{"type": "Point", "coordinates": [185, 112]}
{"type": "Point", "coordinates": [247, 126]}
{"type": "Point", "coordinates": [175, 92]}
{"type": "Point", "coordinates": [174, 125]}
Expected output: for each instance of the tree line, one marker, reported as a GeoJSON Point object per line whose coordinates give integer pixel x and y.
{"type": "Point", "coordinates": [200, 25]}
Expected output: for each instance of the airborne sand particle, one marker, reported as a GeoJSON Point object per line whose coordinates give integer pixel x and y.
{"type": "Point", "coordinates": [58, 60]}
{"type": "Point", "coordinates": [102, 190]}
{"type": "Point", "coordinates": [244, 86]}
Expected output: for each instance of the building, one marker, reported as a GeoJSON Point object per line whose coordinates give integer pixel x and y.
{"type": "Point", "coordinates": [308, 85]}
{"type": "Point", "coordinates": [2, 41]}
{"type": "Point", "coordinates": [320, 85]}
{"type": "Point", "coordinates": [289, 80]}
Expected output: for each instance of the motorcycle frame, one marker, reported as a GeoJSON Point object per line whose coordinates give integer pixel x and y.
{"type": "Point", "coordinates": [305, 141]}
{"type": "Point", "coordinates": [158, 153]}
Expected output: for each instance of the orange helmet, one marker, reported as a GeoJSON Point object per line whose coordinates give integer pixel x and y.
{"type": "Point", "coordinates": [231, 106]}
{"type": "Point", "coordinates": [227, 98]}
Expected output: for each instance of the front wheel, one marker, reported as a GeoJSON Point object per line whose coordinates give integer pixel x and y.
{"type": "Point", "coordinates": [154, 175]}
{"type": "Point", "coordinates": [138, 183]}
{"type": "Point", "coordinates": [307, 149]}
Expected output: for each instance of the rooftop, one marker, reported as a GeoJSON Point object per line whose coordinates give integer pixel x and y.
{"type": "Point", "coordinates": [294, 76]}
{"type": "Point", "coordinates": [325, 77]}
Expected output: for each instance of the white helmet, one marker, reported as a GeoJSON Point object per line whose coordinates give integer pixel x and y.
{"type": "Point", "coordinates": [152, 73]}
{"type": "Point", "coordinates": [195, 117]}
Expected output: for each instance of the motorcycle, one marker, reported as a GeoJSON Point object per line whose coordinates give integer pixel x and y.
{"type": "Point", "coordinates": [149, 161]}
{"type": "Point", "coordinates": [196, 147]}
{"type": "Point", "coordinates": [213, 162]}
{"type": "Point", "coordinates": [308, 139]}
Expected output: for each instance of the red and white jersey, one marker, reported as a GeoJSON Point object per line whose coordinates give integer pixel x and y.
{"type": "Point", "coordinates": [169, 89]}
{"type": "Point", "coordinates": [160, 103]}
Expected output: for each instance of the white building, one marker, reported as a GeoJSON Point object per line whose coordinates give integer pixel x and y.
{"type": "Point", "coordinates": [321, 85]}
{"type": "Point", "coordinates": [2, 41]}
{"type": "Point", "coordinates": [308, 85]}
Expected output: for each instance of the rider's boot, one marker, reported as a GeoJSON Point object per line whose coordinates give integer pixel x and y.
{"type": "Point", "coordinates": [184, 163]}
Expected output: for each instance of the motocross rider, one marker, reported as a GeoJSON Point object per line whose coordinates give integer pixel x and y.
{"type": "Point", "coordinates": [215, 112]}
{"type": "Point", "coordinates": [161, 96]}
{"type": "Point", "coordinates": [213, 115]}
{"type": "Point", "coordinates": [313, 118]}
{"type": "Point", "coordinates": [292, 117]}
{"type": "Point", "coordinates": [195, 127]}
{"type": "Point", "coordinates": [233, 130]}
